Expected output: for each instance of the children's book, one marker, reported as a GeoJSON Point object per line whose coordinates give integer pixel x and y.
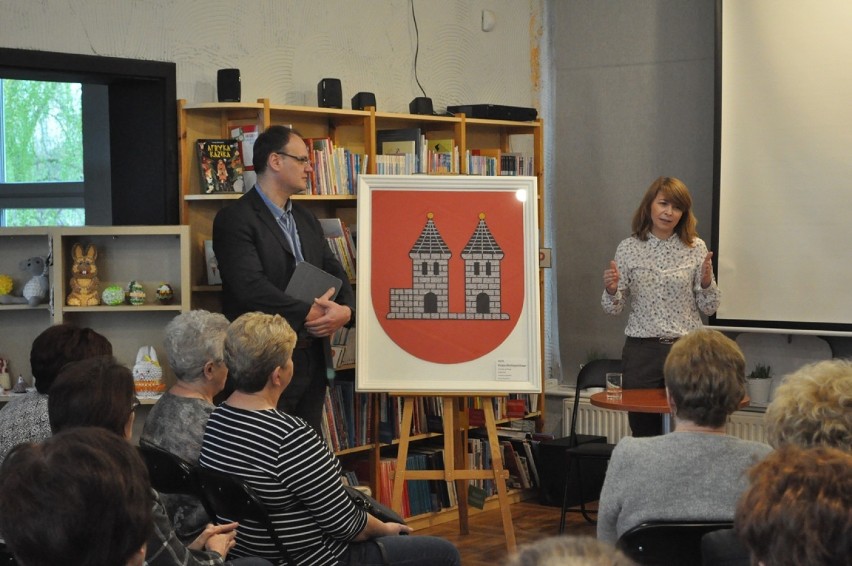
{"type": "Point", "coordinates": [220, 166]}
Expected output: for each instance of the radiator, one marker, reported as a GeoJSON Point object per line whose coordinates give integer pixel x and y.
{"type": "Point", "coordinates": [613, 424]}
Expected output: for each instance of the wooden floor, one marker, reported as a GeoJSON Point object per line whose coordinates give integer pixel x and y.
{"type": "Point", "coordinates": [485, 545]}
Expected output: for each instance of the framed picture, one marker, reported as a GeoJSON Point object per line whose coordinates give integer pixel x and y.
{"type": "Point", "coordinates": [448, 284]}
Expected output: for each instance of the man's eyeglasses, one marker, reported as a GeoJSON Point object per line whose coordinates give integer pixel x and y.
{"type": "Point", "coordinates": [304, 160]}
{"type": "Point", "coordinates": [135, 405]}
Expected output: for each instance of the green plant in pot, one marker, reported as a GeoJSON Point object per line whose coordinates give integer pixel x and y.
{"type": "Point", "coordinates": [759, 383]}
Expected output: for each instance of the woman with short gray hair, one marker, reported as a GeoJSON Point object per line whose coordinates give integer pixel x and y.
{"type": "Point", "coordinates": [194, 343]}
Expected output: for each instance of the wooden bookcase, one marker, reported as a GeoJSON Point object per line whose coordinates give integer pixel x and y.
{"type": "Point", "coordinates": [355, 130]}
{"type": "Point", "coordinates": [148, 254]}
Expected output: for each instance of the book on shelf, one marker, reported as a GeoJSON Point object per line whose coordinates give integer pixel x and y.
{"type": "Point", "coordinates": [343, 346]}
{"type": "Point", "coordinates": [334, 170]}
{"type": "Point", "coordinates": [442, 156]}
{"type": "Point", "coordinates": [484, 161]}
{"type": "Point", "coordinates": [246, 135]}
{"type": "Point", "coordinates": [400, 150]}
{"type": "Point", "coordinates": [341, 242]}
{"type": "Point", "coordinates": [220, 166]}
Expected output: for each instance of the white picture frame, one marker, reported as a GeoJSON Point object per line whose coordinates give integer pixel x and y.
{"type": "Point", "coordinates": [462, 316]}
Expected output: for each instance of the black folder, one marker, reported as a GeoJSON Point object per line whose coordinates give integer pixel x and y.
{"type": "Point", "coordinates": [310, 282]}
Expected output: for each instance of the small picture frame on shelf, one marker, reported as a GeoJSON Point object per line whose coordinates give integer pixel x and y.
{"type": "Point", "coordinates": [213, 275]}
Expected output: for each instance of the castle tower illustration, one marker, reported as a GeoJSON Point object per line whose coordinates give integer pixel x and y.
{"type": "Point", "coordinates": [482, 256]}
{"type": "Point", "coordinates": [428, 297]}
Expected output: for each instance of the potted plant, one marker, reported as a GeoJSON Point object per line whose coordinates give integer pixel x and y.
{"type": "Point", "coordinates": [759, 382]}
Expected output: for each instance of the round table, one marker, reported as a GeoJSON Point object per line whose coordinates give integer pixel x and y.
{"type": "Point", "coordinates": [637, 401]}
{"type": "Point", "coordinates": [643, 401]}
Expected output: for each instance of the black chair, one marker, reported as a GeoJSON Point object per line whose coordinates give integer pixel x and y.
{"type": "Point", "coordinates": [723, 547]}
{"type": "Point", "coordinates": [668, 543]}
{"type": "Point", "coordinates": [232, 499]}
{"type": "Point", "coordinates": [169, 473]}
{"type": "Point", "coordinates": [584, 447]}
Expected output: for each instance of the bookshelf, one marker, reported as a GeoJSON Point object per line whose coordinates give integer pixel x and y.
{"type": "Point", "coordinates": [357, 132]}
{"type": "Point", "coordinates": [148, 254]}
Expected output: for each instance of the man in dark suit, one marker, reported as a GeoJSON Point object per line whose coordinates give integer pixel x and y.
{"type": "Point", "coordinates": [258, 241]}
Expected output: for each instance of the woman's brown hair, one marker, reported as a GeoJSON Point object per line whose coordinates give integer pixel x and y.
{"type": "Point", "coordinates": [675, 191]}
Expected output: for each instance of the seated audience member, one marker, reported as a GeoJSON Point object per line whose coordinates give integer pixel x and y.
{"type": "Point", "coordinates": [80, 497]}
{"type": "Point", "coordinates": [798, 508]}
{"type": "Point", "coordinates": [697, 471]}
{"type": "Point", "coordinates": [568, 551]}
{"type": "Point", "coordinates": [291, 468]}
{"type": "Point", "coordinates": [193, 345]}
{"type": "Point", "coordinates": [24, 417]}
{"type": "Point", "coordinates": [99, 392]}
{"type": "Point", "coordinates": [813, 406]}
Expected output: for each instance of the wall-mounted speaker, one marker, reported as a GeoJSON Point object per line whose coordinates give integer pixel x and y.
{"type": "Point", "coordinates": [329, 93]}
{"type": "Point", "coordinates": [363, 100]}
{"type": "Point", "coordinates": [228, 85]}
{"type": "Point", "coordinates": [421, 105]}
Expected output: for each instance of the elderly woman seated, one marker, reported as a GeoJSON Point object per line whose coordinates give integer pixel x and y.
{"type": "Point", "coordinates": [697, 471]}
{"type": "Point", "coordinates": [193, 344]}
{"type": "Point", "coordinates": [290, 467]}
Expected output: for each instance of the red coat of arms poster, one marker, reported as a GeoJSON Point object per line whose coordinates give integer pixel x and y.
{"type": "Point", "coordinates": [447, 289]}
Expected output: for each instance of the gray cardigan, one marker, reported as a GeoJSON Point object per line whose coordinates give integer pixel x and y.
{"type": "Point", "coordinates": [682, 475]}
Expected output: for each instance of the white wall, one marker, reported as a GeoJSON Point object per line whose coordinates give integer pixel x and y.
{"type": "Point", "coordinates": [284, 47]}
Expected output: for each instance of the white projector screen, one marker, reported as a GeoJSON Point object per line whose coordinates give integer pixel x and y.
{"type": "Point", "coordinates": [783, 178]}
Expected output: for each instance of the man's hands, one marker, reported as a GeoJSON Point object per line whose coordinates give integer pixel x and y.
{"type": "Point", "coordinates": [326, 316]}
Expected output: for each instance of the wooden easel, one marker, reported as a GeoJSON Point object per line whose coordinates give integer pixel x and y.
{"type": "Point", "coordinates": [455, 458]}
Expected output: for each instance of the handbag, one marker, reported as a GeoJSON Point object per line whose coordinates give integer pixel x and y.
{"type": "Point", "coordinates": [381, 512]}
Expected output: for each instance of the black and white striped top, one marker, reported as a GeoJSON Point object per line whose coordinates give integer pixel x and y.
{"type": "Point", "coordinates": [295, 475]}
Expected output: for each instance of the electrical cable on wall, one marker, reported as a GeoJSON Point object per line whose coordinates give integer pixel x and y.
{"type": "Point", "coordinates": [416, 47]}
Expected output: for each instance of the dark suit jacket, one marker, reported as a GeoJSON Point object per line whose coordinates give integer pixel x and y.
{"type": "Point", "coordinates": [256, 261]}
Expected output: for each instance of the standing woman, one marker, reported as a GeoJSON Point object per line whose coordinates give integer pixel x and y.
{"type": "Point", "coordinates": [666, 269]}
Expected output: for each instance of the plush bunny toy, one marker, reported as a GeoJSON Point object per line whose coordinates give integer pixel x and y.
{"type": "Point", "coordinates": [84, 277]}
{"type": "Point", "coordinates": [37, 288]}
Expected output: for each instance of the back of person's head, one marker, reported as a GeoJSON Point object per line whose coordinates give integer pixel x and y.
{"type": "Point", "coordinates": [813, 406]}
{"type": "Point", "coordinates": [675, 191]}
{"type": "Point", "coordinates": [192, 339]}
{"type": "Point", "coordinates": [94, 392]}
{"type": "Point", "coordinates": [81, 497]}
{"type": "Point", "coordinates": [798, 508]}
{"type": "Point", "coordinates": [705, 375]}
{"type": "Point", "coordinates": [61, 344]}
{"type": "Point", "coordinates": [568, 551]}
{"type": "Point", "coordinates": [273, 139]}
{"type": "Point", "coordinates": [255, 345]}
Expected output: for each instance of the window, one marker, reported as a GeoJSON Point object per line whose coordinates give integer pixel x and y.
{"type": "Point", "coordinates": [41, 154]}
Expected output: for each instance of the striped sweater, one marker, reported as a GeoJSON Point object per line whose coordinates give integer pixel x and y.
{"type": "Point", "coordinates": [295, 475]}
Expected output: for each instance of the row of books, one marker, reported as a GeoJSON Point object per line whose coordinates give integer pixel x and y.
{"type": "Point", "coordinates": [347, 421]}
{"type": "Point", "coordinates": [342, 243]}
{"type": "Point", "coordinates": [335, 170]}
{"type": "Point", "coordinates": [495, 162]}
{"type": "Point", "coordinates": [520, 458]}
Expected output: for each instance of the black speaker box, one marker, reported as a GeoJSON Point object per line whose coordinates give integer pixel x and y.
{"type": "Point", "coordinates": [329, 93]}
{"type": "Point", "coordinates": [553, 471]}
{"type": "Point", "coordinates": [421, 105]}
{"type": "Point", "coordinates": [363, 100]}
{"type": "Point", "coordinates": [228, 85]}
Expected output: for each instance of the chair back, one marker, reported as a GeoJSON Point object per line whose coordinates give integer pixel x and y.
{"type": "Point", "coordinates": [232, 499]}
{"type": "Point", "coordinates": [668, 543]}
{"type": "Point", "coordinates": [169, 473]}
{"type": "Point", "coordinates": [592, 374]}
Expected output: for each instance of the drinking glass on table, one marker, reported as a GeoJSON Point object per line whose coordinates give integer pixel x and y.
{"type": "Point", "coordinates": [613, 386]}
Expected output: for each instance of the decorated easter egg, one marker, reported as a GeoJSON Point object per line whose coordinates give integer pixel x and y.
{"type": "Point", "coordinates": [165, 294]}
{"type": "Point", "coordinates": [113, 295]}
{"type": "Point", "coordinates": [136, 293]}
